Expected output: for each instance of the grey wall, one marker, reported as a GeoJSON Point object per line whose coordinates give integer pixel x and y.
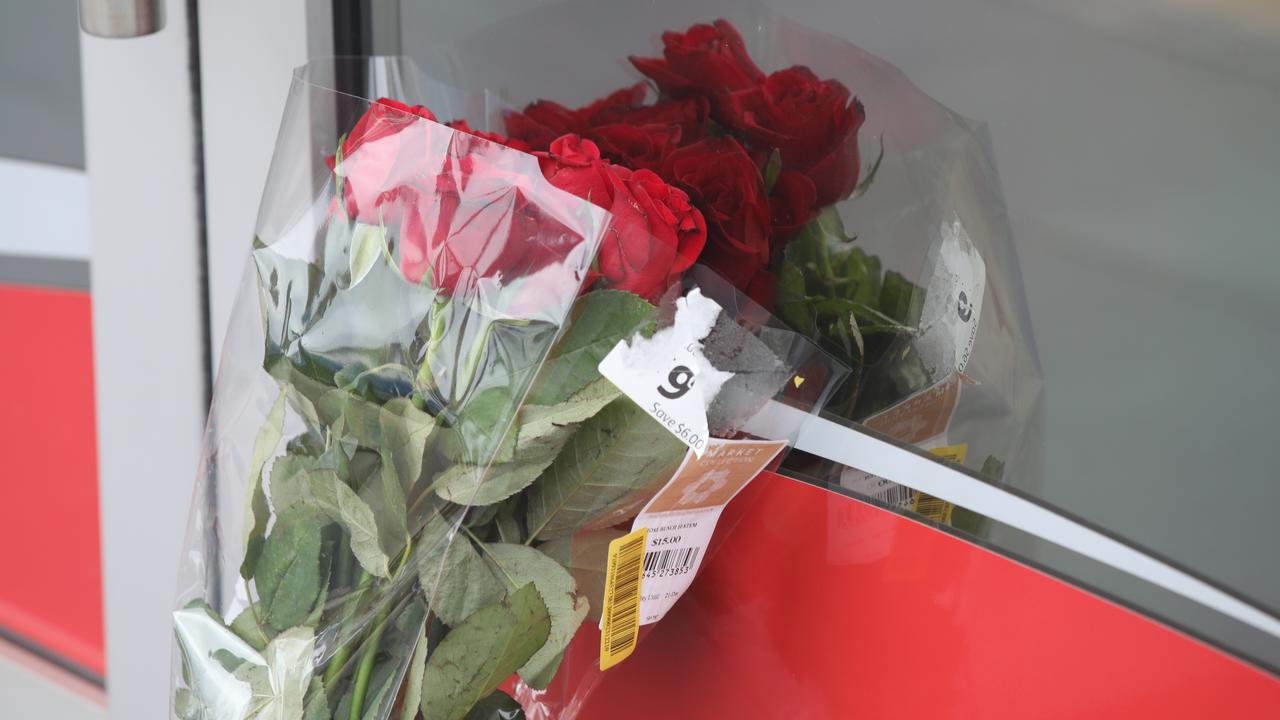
{"type": "Point", "coordinates": [40, 116]}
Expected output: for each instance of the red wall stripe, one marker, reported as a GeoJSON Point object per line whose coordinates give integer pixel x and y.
{"type": "Point", "coordinates": [50, 563]}
{"type": "Point", "coordinates": [820, 606]}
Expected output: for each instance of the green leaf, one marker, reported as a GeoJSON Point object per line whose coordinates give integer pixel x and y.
{"type": "Point", "coordinates": [518, 565]}
{"type": "Point", "coordinates": [454, 578]}
{"type": "Point", "coordinates": [338, 175]}
{"type": "Point", "coordinates": [470, 485]}
{"type": "Point", "coordinates": [599, 320]}
{"type": "Point", "coordinates": [992, 469]}
{"type": "Point", "coordinates": [325, 491]}
{"type": "Point", "coordinates": [543, 431]}
{"type": "Point", "coordinates": [246, 626]}
{"type": "Point", "coordinates": [187, 706]}
{"type": "Point", "coordinates": [413, 678]}
{"type": "Point", "coordinates": [396, 648]}
{"type": "Point", "coordinates": [403, 432]}
{"type": "Point", "coordinates": [257, 678]}
{"type": "Point", "coordinates": [539, 421]}
{"type": "Point", "coordinates": [772, 169]}
{"type": "Point", "coordinates": [586, 556]}
{"type": "Point", "coordinates": [317, 702]}
{"type": "Point", "coordinates": [290, 663]}
{"type": "Point", "coordinates": [616, 452]}
{"type": "Point", "coordinates": [288, 574]}
{"type": "Point", "coordinates": [367, 244]}
{"type": "Point", "coordinates": [293, 294]}
{"type": "Point", "coordinates": [507, 524]}
{"type": "Point", "coordinates": [900, 299]}
{"type": "Point", "coordinates": [209, 654]}
{"type": "Point", "coordinates": [791, 301]}
{"type": "Point", "coordinates": [337, 249]}
{"type": "Point", "coordinates": [870, 177]}
{"type": "Point", "coordinates": [397, 430]}
{"type": "Point", "coordinates": [478, 654]}
{"type": "Point", "coordinates": [396, 639]}
{"type": "Point", "coordinates": [382, 683]}
{"type": "Point", "coordinates": [385, 497]}
{"type": "Point", "coordinates": [497, 706]}
{"type": "Point", "coordinates": [387, 379]}
{"type": "Point", "coordinates": [256, 510]}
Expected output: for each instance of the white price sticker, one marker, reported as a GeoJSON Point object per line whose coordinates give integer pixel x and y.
{"type": "Point", "coordinates": [682, 517]}
{"type": "Point", "coordinates": [668, 375]}
{"type": "Point", "coordinates": [952, 304]}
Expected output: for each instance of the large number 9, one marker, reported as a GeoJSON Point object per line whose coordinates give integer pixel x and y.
{"type": "Point", "coordinates": [680, 379]}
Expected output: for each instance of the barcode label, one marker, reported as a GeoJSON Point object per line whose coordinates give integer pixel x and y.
{"type": "Point", "coordinates": [896, 496]}
{"type": "Point", "coordinates": [931, 507]}
{"type": "Point", "coordinates": [620, 617]}
{"type": "Point", "coordinates": [671, 561]}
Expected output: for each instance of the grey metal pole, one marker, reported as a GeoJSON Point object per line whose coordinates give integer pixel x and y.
{"type": "Point", "coordinates": [121, 18]}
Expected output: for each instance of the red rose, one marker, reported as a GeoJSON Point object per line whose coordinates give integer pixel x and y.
{"type": "Point", "coordinates": [470, 220]}
{"type": "Point", "coordinates": [614, 106]}
{"type": "Point", "coordinates": [641, 147]}
{"type": "Point", "coordinates": [689, 114]}
{"type": "Point", "coordinates": [629, 133]}
{"type": "Point", "coordinates": [574, 165]}
{"type": "Point", "coordinates": [762, 288]}
{"type": "Point", "coordinates": [543, 121]}
{"type": "Point", "coordinates": [706, 59]}
{"type": "Point", "coordinates": [655, 234]}
{"type": "Point", "coordinates": [813, 123]}
{"type": "Point", "coordinates": [370, 153]}
{"type": "Point", "coordinates": [474, 223]}
{"type": "Point", "coordinates": [725, 184]}
{"type": "Point", "coordinates": [792, 203]}
{"type": "Point", "coordinates": [384, 117]}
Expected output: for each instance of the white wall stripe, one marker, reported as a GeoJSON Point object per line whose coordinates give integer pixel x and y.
{"type": "Point", "coordinates": [46, 210]}
{"type": "Point", "coordinates": [869, 454]}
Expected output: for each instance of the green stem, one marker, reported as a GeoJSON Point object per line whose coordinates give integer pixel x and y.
{"type": "Point", "coordinates": [340, 657]}
{"type": "Point", "coordinates": [345, 561]}
{"type": "Point", "coordinates": [484, 549]}
{"type": "Point", "coordinates": [253, 608]}
{"type": "Point", "coordinates": [366, 664]}
{"type": "Point", "coordinates": [437, 326]}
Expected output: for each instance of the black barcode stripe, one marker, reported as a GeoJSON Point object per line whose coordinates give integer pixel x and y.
{"type": "Point", "coordinates": [624, 615]}
{"type": "Point", "coordinates": [896, 495]}
{"type": "Point", "coordinates": [679, 558]}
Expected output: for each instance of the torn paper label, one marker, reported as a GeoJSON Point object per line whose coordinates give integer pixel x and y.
{"type": "Point", "coordinates": [668, 375]}
{"type": "Point", "coordinates": [952, 303]}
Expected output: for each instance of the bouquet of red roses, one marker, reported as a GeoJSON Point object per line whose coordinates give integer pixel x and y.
{"type": "Point", "coordinates": [435, 434]}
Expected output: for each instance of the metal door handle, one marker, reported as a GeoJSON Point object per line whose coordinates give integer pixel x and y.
{"type": "Point", "coordinates": [121, 18]}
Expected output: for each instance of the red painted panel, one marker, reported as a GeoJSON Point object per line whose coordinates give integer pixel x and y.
{"type": "Point", "coordinates": [819, 606]}
{"type": "Point", "coordinates": [50, 567]}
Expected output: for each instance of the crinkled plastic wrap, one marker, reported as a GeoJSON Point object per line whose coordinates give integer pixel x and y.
{"type": "Point", "coordinates": [411, 458]}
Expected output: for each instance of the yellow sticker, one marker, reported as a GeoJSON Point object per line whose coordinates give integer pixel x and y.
{"type": "Point", "coordinates": [940, 511]}
{"type": "Point", "coordinates": [620, 616]}
{"type": "Point", "coordinates": [954, 453]}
